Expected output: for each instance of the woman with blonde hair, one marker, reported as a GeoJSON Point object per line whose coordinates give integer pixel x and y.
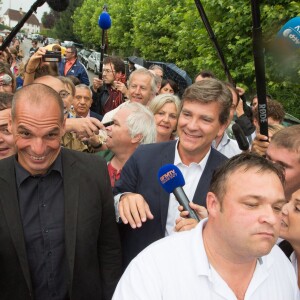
{"type": "Point", "coordinates": [165, 108]}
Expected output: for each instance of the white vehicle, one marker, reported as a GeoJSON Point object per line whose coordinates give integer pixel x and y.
{"type": "Point", "coordinates": [93, 62]}
{"type": "Point", "coordinates": [67, 44]}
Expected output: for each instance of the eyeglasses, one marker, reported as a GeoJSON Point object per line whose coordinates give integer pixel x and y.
{"type": "Point", "coordinates": [69, 52]}
{"type": "Point", "coordinates": [108, 71]}
{"type": "Point", "coordinates": [64, 94]}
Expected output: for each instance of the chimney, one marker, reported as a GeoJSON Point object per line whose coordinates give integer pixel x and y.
{"type": "Point", "coordinates": [21, 11]}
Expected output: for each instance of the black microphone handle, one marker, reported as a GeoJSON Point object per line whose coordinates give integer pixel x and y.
{"type": "Point", "coordinates": [240, 137]}
{"type": "Point", "coordinates": [184, 201]}
{"type": "Point", "coordinates": [20, 24]}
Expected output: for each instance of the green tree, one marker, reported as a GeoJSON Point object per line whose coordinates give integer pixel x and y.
{"type": "Point", "coordinates": [119, 35]}
{"type": "Point", "coordinates": [64, 24]}
{"type": "Point", "coordinates": [172, 31]}
{"type": "Point", "coordinates": [48, 19]}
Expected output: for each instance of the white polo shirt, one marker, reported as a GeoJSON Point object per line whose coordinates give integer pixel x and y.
{"type": "Point", "coordinates": [177, 267]}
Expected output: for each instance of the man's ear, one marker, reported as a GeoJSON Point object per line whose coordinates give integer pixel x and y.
{"type": "Point", "coordinates": [212, 204]}
{"type": "Point", "coordinates": [222, 129]}
{"type": "Point", "coordinates": [9, 125]}
{"type": "Point", "coordinates": [137, 139]}
{"type": "Point", "coordinates": [63, 128]}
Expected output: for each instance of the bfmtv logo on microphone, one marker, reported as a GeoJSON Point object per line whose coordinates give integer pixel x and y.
{"type": "Point", "coordinates": [291, 32]}
{"type": "Point", "coordinates": [167, 176]}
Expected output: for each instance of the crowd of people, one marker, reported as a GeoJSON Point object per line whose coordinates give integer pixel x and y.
{"type": "Point", "coordinates": [83, 214]}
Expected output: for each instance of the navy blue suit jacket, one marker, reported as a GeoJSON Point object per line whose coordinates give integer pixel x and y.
{"type": "Point", "coordinates": [95, 115]}
{"type": "Point", "coordinates": [139, 175]}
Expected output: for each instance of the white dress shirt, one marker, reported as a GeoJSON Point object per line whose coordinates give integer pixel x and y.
{"type": "Point", "coordinates": [227, 146]}
{"type": "Point", "coordinates": [177, 267]}
{"type": "Point", "coordinates": [191, 175]}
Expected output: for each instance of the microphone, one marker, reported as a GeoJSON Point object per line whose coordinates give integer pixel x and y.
{"type": "Point", "coordinates": [240, 137]}
{"type": "Point", "coordinates": [172, 181]}
{"type": "Point", "coordinates": [104, 20]}
{"type": "Point", "coordinates": [58, 5]}
{"type": "Point", "coordinates": [290, 32]}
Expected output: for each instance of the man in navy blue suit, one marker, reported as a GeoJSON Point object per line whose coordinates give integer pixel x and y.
{"type": "Point", "coordinates": [147, 212]}
{"type": "Point", "coordinates": [82, 102]}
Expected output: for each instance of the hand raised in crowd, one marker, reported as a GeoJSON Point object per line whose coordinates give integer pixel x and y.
{"type": "Point", "coordinates": [240, 90]}
{"type": "Point", "coordinates": [260, 144]}
{"type": "Point", "coordinates": [84, 126]}
{"type": "Point", "coordinates": [35, 60]}
{"type": "Point", "coordinates": [120, 86]}
{"type": "Point", "coordinates": [133, 209]}
{"type": "Point", "coordinates": [183, 223]}
{"type": "Point", "coordinates": [240, 109]}
{"type": "Point", "coordinates": [97, 83]}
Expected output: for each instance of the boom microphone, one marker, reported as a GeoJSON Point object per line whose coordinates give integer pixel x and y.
{"type": "Point", "coordinates": [172, 181]}
{"type": "Point", "coordinates": [58, 5]}
{"type": "Point", "coordinates": [240, 137]}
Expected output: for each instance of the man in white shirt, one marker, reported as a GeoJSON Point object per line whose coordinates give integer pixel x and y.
{"type": "Point", "coordinates": [224, 144]}
{"type": "Point", "coordinates": [228, 256]}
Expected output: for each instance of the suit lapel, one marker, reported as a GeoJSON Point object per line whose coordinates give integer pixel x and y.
{"type": "Point", "coordinates": [71, 195]}
{"type": "Point", "coordinates": [10, 206]}
{"type": "Point", "coordinates": [167, 157]}
{"type": "Point", "coordinates": [204, 182]}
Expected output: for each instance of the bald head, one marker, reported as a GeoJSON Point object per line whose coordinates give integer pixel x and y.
{"type": "Point", "coordinates": [39, 95]}
{"type": "Point", "coordinates": [51, 81]}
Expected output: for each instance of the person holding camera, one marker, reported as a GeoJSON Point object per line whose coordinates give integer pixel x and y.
{"type": "Point", "coordinates": [110, 91]}
{"type": "Point", "coordinates": [41, 63]}
{"type": "Point", "coordinates": [71, 65]}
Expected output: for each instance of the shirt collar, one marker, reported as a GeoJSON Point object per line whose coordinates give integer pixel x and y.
{"type": "Point", "coordinates": [224, 141]}
{"type": "Point", "coordinates": [202, 264]}
{"type": "Point", "coordinates": [71, 62]}
{"type": "Point", "coordinates": [22, 174]}
{"type": "Point", "coordinates": [178, 161]}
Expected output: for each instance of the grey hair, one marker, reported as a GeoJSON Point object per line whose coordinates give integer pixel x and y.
{"type": "Point", "coordinates": [146, 72]}
{"type": "Point", "coordinates": [83, 86]}
{"type": "Point", "coordinates": [156, 67]}
{"type": "Point", "coordinates": [141, 121]}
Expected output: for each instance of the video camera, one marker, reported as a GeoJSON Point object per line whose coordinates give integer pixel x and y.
{"type": "Point", "coordinates": [52, 56]}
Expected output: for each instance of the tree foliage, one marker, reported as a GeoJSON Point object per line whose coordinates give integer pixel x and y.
{"type": "Point", "coordinates": [63, 27]}
{"type": "Point", "coordinates": [48, 19]}
{"type": "Point", "coordinates": [173, 31]}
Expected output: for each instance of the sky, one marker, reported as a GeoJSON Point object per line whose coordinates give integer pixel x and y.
{"type": "Point", "coordinates": [25, 4]}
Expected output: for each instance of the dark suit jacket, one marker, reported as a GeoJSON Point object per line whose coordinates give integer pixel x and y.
{"type": "Point", "coordinates": [95, 115]}
{"type": "Point", "coordinates": [91, 235]}
{"type": "Point", "coordinates": [139, 175]}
